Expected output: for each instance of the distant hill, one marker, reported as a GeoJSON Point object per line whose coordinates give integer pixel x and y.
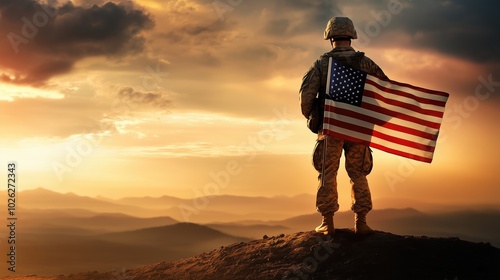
{"type": "Point", "coordinates": [45, 199]}
{"type": "Point", "coordinates": [180, 236]}
{"type": "Point", "coordinates": [308, 255]}
{"type": "Point", "coordinates": [253, 231]}
{"type": "Point", "coordinates": [39, 220]}
{"type": "Point", "coordinates": [225, 208]}
{"type": "Point", "coordinates": [154, 202]}
{"type": "Point", "coordinates": [67, 250]}
{"type": "Point", "coordinates": [209, 209]}
{"type": "Point", "coordinates": [65, 233]}
{"type": "Point", "coordinates": [474, 225]}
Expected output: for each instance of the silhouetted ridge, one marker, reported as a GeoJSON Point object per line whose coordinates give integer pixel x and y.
{"type": "Point", "coordinates": [346, 256]}
{"type": "Point", "coordinates": [308, 255]}
{"type": "Point", "coordinates": [177, 234]}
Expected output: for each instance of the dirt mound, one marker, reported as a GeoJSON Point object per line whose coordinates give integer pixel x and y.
{"type": "Point", "coordinates": [307, 255]}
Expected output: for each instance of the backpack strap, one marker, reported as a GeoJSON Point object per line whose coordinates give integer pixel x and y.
{"type": "Point", "coordinates": [316, 119]}
{"type": "Point", "coordinates": [353, 61]}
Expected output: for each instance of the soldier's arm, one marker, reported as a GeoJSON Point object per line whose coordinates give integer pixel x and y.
{"type": "Point", "coordinates": [309, 89]}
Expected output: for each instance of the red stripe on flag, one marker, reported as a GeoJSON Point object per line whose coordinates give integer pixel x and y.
{"type": "Point", "coordinates": [399, 115]}
{"type": "Point", "coordinates": [419, 99]}
{"type": "Point", "coordinates": [389, 125]}
{"type": "Point", "coordinates": [429, 91]}
{"type": "Point", "coordinates": [401, 104]}
{"type": "Point", "coordinates": [380, 147]}
{"type": "Point", "coordinates": [383, 136]}
{"type": "Point", "coordinates": [400, 153]}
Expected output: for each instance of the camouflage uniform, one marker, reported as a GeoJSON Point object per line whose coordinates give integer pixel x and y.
{"type": "Point", "coordinates": [358, 156]}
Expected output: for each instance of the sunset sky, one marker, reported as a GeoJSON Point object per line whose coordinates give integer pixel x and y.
{"type": "Point", "coordinates": [174, 97]}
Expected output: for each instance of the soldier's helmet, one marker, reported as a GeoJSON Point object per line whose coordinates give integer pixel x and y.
{"type": "Point", "coordinates": [340, 27]}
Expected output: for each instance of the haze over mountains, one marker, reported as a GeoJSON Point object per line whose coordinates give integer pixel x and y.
{"type": "Point", "coordinates": [204, 209]}
{"type": "Point", "coordinates": [66, 233]}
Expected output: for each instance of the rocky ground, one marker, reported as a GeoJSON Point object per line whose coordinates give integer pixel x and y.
{"type": "Point", "coordinates": [307, 255]}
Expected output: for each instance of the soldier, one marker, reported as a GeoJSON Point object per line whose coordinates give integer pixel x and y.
{"type": "Point", "coordinates": [328, 150]}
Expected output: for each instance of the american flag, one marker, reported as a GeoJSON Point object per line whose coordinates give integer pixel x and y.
{"type": "Point", "coordinates": [397, 118]}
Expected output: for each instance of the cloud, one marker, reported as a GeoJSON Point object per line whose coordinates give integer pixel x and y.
{"type": "Point", "coordinates": [251, 41]}
{"type": "Point", "coordinates": [462, 28]}
{"type": "Point", "coordinates": [157, 100]}
{"type": "Point", "coordinates": [290, 18]}
{"type": "Point", "coordinates": [43, 41]}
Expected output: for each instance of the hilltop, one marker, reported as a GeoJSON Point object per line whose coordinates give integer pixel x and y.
{"type": "Point", "coordinates": [307, 255]}
{"type": "Point", "coordinates": [64, 234]}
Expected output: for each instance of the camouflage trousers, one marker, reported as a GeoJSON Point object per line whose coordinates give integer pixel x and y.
{"type": "Point", "coordinates": [358, 163]}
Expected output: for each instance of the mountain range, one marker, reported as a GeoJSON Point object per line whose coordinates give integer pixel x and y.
{"type": "Point", "coordinates": [308, 255]}
{"type": "Point", "coordinates": [67, 233]}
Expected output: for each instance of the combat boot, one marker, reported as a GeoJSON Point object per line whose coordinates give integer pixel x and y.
{"type": "Point", "coordinates": [360, 226]}
{"type": "Point", "coordinates": [326, 226]}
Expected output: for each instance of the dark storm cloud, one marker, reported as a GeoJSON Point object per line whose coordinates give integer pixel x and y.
{"type": "Point", "coordinates": [465, 29]}
{"type": "Point", "coordinates": [40, 41]}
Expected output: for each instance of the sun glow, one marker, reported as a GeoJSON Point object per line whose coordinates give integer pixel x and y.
{"type": "Point", "coordinates": [12, 92]}
{"type": "Point", "coordinates": [151, 4]}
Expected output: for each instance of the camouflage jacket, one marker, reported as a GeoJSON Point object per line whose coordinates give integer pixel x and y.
{"type": "Point", "coordinates": [314, 80]}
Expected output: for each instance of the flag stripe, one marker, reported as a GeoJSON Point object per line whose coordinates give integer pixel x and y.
{"type": "Point", "coordinates": [377, 118]}
{"type": "Point", "coordinates": [382, 145]}
{"type": "Point", "coordinates": [433, 94]}
{"type": "Point", "coordinates": [402, 98]}
{"type": "Point", "coordinates": [421, 97]}
{"type": "Point", "coordinates": [404, 105]}
{"type": "Point", "coordinates": [386, 148]}
{"type": "Point", "coordinates": [400, 115]}
{"type": "Point", "coordinates": [376, 133]}
{"type": "Point", "coordinates": [380, 132]}
{"type": "Point", "coordinates": [367, 121]}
